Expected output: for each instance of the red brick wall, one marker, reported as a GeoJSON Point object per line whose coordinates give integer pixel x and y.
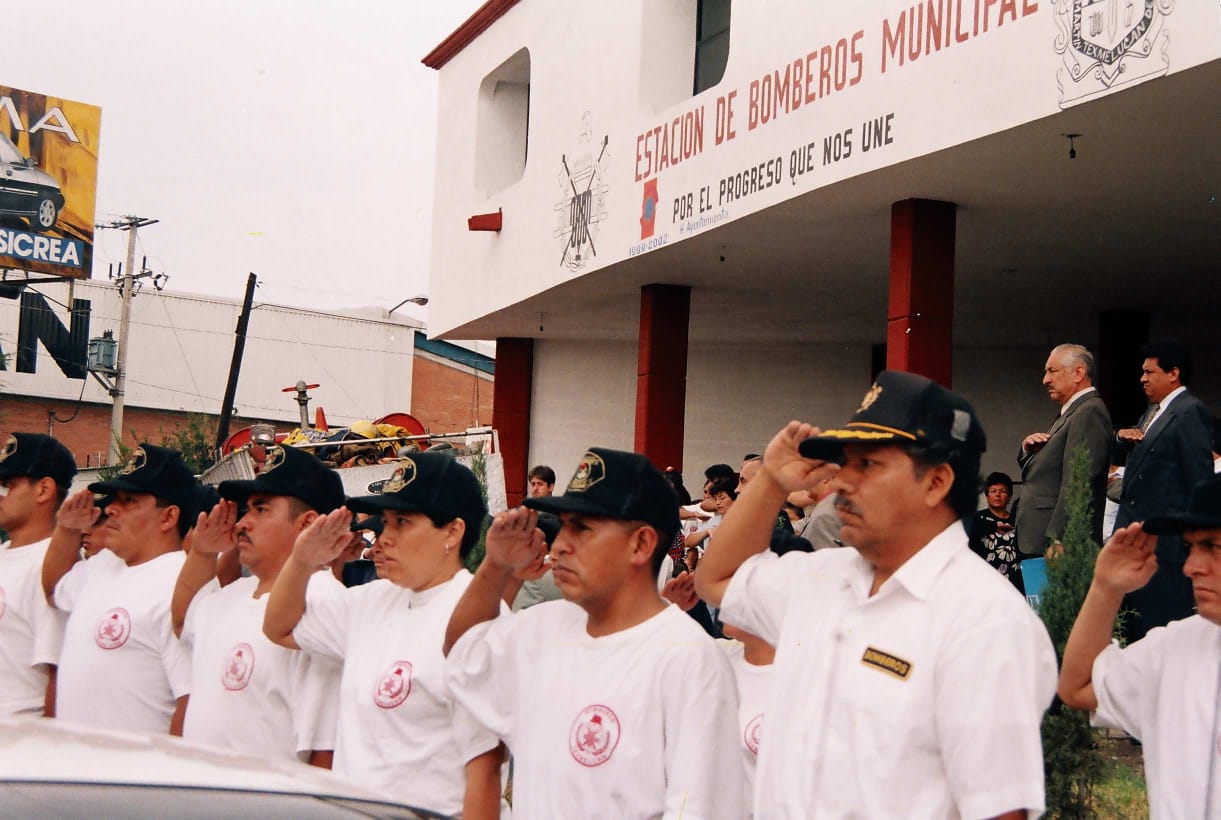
{"type": "Point", "coordinates": [446, 399]}
{"type": "Point", "coordinates": [89, 433]}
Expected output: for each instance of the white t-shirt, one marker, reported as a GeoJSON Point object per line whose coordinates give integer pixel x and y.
{"type": "Point", "coordinates": [248, 694]}
{"type": "Point", "coordinates": [1163, 690]}
{"type": "Point", "coordinates": [754, 687]}
{"type": "Point", "coordinates": [923, 700]}
{"type": "Point", "coordinates": [31, 631]}
{"type": "Point", "coordinates": [400, 730]}
{"type": "Point", "coordinates": [121, 666]}
{"type": "Point", "coordinates": [629, 725]}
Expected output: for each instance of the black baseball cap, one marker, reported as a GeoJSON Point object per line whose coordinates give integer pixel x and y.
{"type": "Point", "coordinates": [154, 470]}
{"type": "Point", "coordinates": [206, 497]}
{"type": "Point", "coordinates": [431, 483]}
{"type": "Point", "coordinates": [372, 523]}
{"type": "Point", "coordinates": [1203, 511]}
{"type": "Point", "coordinates": [34, 455]}
{"type": "Point", "coordinates": [904, 408]}
{"type": "Point", "coordinates": [292, 472]}
{"type": "Point", "coordinates": [620, 485]}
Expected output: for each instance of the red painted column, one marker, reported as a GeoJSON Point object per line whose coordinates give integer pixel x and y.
{"type": "Point", "coordinates": [920, 320]}
{"type": "Point", "coordinates": [661, 377]}
{"type": "Point", "coordinates": [511, 411]}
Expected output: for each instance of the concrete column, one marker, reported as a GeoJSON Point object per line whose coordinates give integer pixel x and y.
{"type": "Point", "coordinates": [661, 377]}
{"type": "Point", "coordinates": [511, 411]}
{"type": "Point", "coordinates": [920, 320]}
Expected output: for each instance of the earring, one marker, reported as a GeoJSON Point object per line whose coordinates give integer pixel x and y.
{"type": "Point", "coordinates": [448, 547]}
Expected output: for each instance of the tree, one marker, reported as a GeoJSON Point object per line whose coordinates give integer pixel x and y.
{"type": "Point", "coordinates": [1071, 761]}
{"type": "Point", "coordinates": [196, 442]}
{"type": "Point", "coordinates": [479, 466]}
{"type": "Point", "coordinates": [124, 452]}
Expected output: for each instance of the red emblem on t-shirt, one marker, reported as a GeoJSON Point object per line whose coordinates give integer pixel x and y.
{"type": "Point", "coordinates": [594, 735]}
{"type": "Point", "coordinates": [238, 668]}
{"type": "Point", "coordinates": [114, 628]}
{"type": "Point", "coordinates": [394, 686]}
{"type": "Point", "coordinates": [750, 736]}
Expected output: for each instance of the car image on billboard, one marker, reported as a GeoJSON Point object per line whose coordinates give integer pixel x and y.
{"type": "Point", "coordinates": [27, 191]}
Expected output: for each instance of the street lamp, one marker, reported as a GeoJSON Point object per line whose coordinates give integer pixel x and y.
{"type": "Point", "coordinates": [415, 300]}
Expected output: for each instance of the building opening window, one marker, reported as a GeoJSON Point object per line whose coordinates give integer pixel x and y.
{"type": "Point", "coordinates": [677, 36]}
{"type": "Point", "coordinates": [503, 124]}
{"type": "Point", "coordinates": [711, 43]}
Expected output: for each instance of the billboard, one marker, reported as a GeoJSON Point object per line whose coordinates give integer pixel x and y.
{"type": "Point", "coordinates": [48, 183]}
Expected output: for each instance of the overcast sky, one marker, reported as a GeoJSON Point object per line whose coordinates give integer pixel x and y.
{"type": "Point", "coordinates": [291, 138]}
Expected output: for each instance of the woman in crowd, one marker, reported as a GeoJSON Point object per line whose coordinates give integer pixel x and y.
{"type": "Point", "coordinates": [722, 492]}
{"type": "Point", "coordinates": [399, 730]}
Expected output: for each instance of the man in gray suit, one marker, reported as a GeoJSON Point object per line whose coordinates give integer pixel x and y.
{"type": "Point", "coordinates": [1044, 457]}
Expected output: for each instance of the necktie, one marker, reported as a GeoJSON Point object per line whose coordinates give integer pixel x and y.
{"type": "Point", "coordinates": [1147, 419]}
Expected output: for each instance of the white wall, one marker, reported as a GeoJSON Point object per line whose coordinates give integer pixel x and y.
{"type": "Point", "coordinates": [584, 395]}
{"type": "Point", "coordinates": [738, 397]}
{"type": "Point", "coordinates": [181, 345]}
{"type": "Point", "coordinates": [592, 75]}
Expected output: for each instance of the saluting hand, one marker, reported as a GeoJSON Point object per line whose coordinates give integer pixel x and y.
{"type": "Point", "coordinates": [680, 591]}
{"type": "Point", "coordinates": [787, 466]}
{"type": "Point", "coordinates": [214, 529]}
{"type": "Point", "coordinates": [514, 541]}
{"type": "Point", "coordinates": [78, 512]}
{"type": "Point", "coordinates": [1127, 561]}
{"type": "Point", "coordinates": [538, 567]}
{"type": "Point", "coordinates": [326, 536]}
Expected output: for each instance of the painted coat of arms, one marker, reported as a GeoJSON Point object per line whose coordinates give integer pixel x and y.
{"type": "Point", "coordinates": [583, 206]}
{"type": "Point", "coordinates": [1106, 44]}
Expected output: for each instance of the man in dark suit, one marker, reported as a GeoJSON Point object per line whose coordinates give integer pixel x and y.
{"type": "Point", "coordinates": [1044, 457]}
{"type": "Point", "coordinates": [1171, 451]}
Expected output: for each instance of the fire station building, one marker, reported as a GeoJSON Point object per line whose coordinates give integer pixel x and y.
{"type": "Point", "coordinates": [687, 221]}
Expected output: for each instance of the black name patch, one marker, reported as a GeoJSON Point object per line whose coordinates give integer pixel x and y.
{"type": "Point", "coordinates": [886, 662]}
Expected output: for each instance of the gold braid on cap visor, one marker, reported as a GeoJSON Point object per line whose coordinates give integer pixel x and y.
{"type": "Point", "coordinates": [854, 432]}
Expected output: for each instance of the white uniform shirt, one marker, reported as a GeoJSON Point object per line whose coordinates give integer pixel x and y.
{"type": "Point", "coordinates": [400, 730]}
{"type": "Point", "coordinates": [31, 631]}
{"type": "Point", "coordinates": [754, 688]}
{"type": "Point", "coordinates": [121, 666]}
{"type": "Point", "coordinates": [1163, 690]}
{"type": "Point", "coordinates": [922, 701]}
{"type": "Point", "coordinates": [249, 695]}
{"type": "Point", "coordinates": [630, 725]}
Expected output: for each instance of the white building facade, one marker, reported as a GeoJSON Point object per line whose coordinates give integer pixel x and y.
{"type": "Point", "coordinates": [687, 221]}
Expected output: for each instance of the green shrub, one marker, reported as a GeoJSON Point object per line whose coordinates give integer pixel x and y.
{"type": "Point", "coordinates": [1071, 762]}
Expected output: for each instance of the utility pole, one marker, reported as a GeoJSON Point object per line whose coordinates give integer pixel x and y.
{"type": "Point", "coordinates": [130, 224]}
{"type": "Point", "coordinates": [235, 365]}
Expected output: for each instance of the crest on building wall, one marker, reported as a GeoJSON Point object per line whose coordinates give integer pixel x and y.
{"type": "Point", "coordinates": [582, 206]}
{"type": "Point", "coordinates": [1107, 44]}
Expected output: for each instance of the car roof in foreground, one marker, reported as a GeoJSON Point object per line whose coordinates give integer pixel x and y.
{"type": "Point", "coordinates": [45, 765]}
